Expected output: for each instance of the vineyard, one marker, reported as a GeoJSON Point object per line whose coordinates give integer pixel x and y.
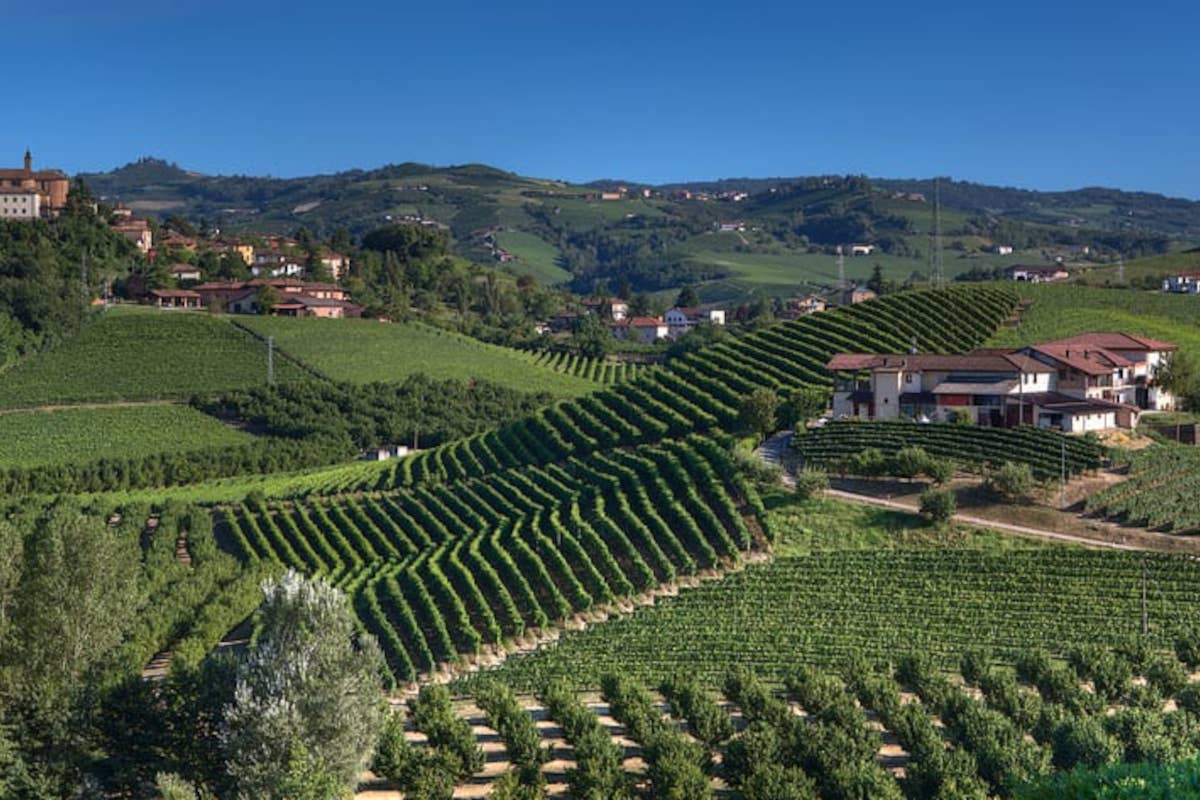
{"type": "Point", "coordinates": [441, 571]}
{"type": "Point", "coordinates": [366, 351]}
{"type": "Point", "coordinates": [1047, 452]}
{"type": "Point", "coordinates": [904, 731]}
{"type": "Point", "coordinates": [703, 389]}
{"type": "Point", "coordinates": [822, 608]}
{"type": "Point", "coordinates": [38, 438]}
{"type": "Point", "coordinates": [593, 369]}
{"type": "Point", "coordinates": [1161, 491]}
{"type": "Point", "coordinates": [138, 354]}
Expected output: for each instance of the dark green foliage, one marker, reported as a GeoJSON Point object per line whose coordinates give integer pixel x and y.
{"type": "Point", "coordinates": [937, 504]}
{"type": "Point", "coordinates": [706, 720]}
{"type": "Point", "coordinates": [1143, 781]}
{"type": "Point", "coordinates": [375, 414]}
{"type": "Point", "coordinates": [432, 714]}
{"type": "Point", "coordinates": [1167, 675]}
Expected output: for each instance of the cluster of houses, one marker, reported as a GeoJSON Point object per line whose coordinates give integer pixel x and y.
{"type": "Point", "coordinates": [288, 297]}
{"type": "Point", "coordinates": [1089, 382]}
{"type": "Point", "coordinates": [646, 330]}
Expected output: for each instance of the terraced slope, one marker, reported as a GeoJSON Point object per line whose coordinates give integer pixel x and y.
{"type": "Point", "coordinates": [441, 571]}
{"type": "Point", "coordinates": [1045, 451]}
{"type": "Point", "coordinates": [702, 390]}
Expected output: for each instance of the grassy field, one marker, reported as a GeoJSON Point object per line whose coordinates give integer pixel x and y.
{"type": "Point", "coordinates": [787, 272]}
{"type": "Point", "coordinates": [850, 580]}
{"type": "Point", "coordinates": [362, 351]}
{"type": "Point", "coordinates": [41, 438]}
{"type": "Point", "coordinates": [534, 256]}
{"type": "Point", "coordinates": [141, 354]}
{"type": "Point", "coordinates": [1137, 270]}
{"type": "Point", "coordinates": [1060, 310]}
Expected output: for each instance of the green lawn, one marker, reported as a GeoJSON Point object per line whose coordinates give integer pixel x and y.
{"type": "Point", "coordinates": [141, 354]}
{"type": "Point", "coordinates": [362, 351]}
{"type": "Point", "coordinates": [534, 256]}
{"type": "Point", "coordinates": [42, 438]}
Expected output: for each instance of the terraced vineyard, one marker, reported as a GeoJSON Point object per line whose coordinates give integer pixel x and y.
{"type": "Point", "coordinates": [703, 389]}
{"type": "Point", "coordinates": [593, 369]}
{"type": "Point", "coordinates": [1045, 451]}
{"type": "Point", "coordinates": [1160, 493]}
{"type": "Point", "coordinates": [441, 571]}
{"type": "Point", "coordinates": [823, 608]}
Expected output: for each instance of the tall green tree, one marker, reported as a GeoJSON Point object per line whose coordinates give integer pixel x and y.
{"type": "Point", "coordinates": [307, 709]}
{"type": "Point", "coordinates": [759, 412]}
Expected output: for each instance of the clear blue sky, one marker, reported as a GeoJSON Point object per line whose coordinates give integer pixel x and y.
{"type": "Point", "coordinates": [1016, 93]}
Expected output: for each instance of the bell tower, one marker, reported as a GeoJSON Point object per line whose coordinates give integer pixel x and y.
{"type": "Point", "coordinates": [28, 160]}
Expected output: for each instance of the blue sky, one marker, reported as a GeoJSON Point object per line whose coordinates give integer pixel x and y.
{"type": "Point", "coordinates": [1040, 95]}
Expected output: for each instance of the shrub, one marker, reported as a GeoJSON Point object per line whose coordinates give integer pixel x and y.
{"type": "Point", "coordinates": [940, 470]}
{"type": "Point", "coordinates": [1187, 647]}
{"type": "Point", "coordinates": [938, 505]}
{"type": "Point", "coordinates": [909, 462]}
{"type": "Point", "coordinates": [1166, 675]}
{"type": "Point", "coordinates": [811, 481]}
{"type": "Point", "coordinates": [1011, 482]}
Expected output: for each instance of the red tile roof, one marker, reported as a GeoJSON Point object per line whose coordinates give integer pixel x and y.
{"type": "Point", "coordinates": [1114, 341]}
{"type": "Point", "coordinates": [977, 361]}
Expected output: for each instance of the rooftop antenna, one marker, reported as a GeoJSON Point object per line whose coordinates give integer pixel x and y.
{"type": "Point", "coordinates": [937, 277]}
{"type": "Point", "coordinates": [841, 262]}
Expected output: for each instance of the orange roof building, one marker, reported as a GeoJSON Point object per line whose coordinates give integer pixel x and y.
{"type": "Point", "coordinates": [51, 185]}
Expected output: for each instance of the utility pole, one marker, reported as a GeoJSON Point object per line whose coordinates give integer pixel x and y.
{"type": "Point", "coordinates": [1120, 268]}
{"type": "Point", "coordinates": [83, 285]}
{"type": "Point", "coordinates": [270, 361]}
{"type": "Point", "coordinates": [841, 262]}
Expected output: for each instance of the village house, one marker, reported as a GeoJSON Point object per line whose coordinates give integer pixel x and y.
{"type": "Point", "coordinates": [336, 263]}
{"type": "Point", "coordinates": [174, 298]}
{"type": "Point", "coordinates": [862, 249]}
{"type": "Point", "coordinates": [857, 294]}
{"type": "Point", "coordinates": [185, 272]}
{"type": "Point", "coordinates": [1046, 273]}
{"type": "Point", "coordinates": [797, 307]}
{"type": "Point", "coordinates": [1090, 382]}
{"type": "Point", "coordinates": [19, 203]}
{"type": "Point", "coordinates": [295, 298]}
{"type": "Point", "coordinates": [1003, 250]}
{"type": "Point", "coordinates": [646, 330]}
{"type": "Point", "coordinates": [275, 264]}
{"type": "Point", "coordinates": [137, 231]}
{"type": "Point", "coordinates": [681, 320]}
{"type": "Point", "coordinates": [49, 187]}
{"type": "Point", "coordinates": [613, 308]}
{"type": "Point", "coordinates": [1183, 283]}
{"type": "Point", "coordinates": [731, 227]}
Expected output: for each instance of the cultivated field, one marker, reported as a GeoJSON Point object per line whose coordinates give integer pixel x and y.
{"type": "Point", "coordinates": [363, 351]}
{"type": "Point", "coordinates": [142, 354]}
{"type": "Point", "coordinates": [42, 438]}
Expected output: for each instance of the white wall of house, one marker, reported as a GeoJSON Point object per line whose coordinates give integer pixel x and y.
{"type": "Point", "coordinates": [888, 388]}
{"type": "Point", "coordinates": [1084, 423]}
{"type": "Point", "coordinates": [20, 205]}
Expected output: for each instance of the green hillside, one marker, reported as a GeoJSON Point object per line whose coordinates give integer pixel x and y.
{"type": "Point", "coordinates": [790, 227]}
{"type": "Point", "coordinates": [141, 354]}
{"type": "Point", "coordinates": [364, 351]}
{"type": "Point", "coordinates": [42, 438]}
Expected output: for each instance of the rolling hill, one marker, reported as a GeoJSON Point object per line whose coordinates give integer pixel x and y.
{"type": "Point", "coordinates": [777, 239]}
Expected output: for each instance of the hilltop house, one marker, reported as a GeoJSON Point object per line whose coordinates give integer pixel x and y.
{"type": "Point", "coordinates": [862, 249]}
{"type": "Point", "coordinates": [1090, 382]}
{"type": "Point", "coordinates": [1046, 273]}
{"type": "Point", "coordinates": [681, 320]}
{"type": "Point", "coordinates": [857, 294]}
{"type": "Point", "coordinates": [136, 230]}
{"type": "Point", "coordinates": [646, 330]}
{"type": "Point", "coordinates": [49, 190]}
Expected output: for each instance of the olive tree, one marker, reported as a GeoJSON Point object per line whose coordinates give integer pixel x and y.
{"type": "Point", "coordinates": [307, 707]}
